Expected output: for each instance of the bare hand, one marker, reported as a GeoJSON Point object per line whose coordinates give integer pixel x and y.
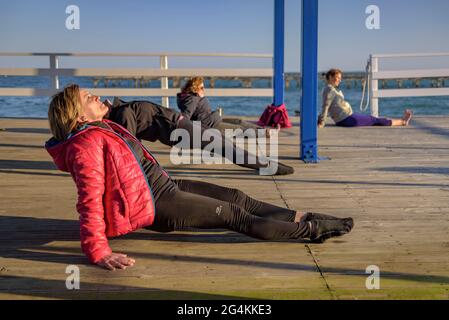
{"type": "Point", "coordinates": [116, 261]}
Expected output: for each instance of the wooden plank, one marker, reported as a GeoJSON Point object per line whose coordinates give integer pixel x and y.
{"type": "Point", "coordinates": [407, 74]}
{"type": "Point", "coordinates": [141, 54]}
{"type": "Point", "coordinates": [395, 93]}
{"type": "Point", "coordinates": [138, 72]}
{"type": "Point", "coordinates": [140, 92]}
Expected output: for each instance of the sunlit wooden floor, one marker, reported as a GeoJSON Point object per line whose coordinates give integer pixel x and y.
{"type": "Point", "coordinates": [393, 181]}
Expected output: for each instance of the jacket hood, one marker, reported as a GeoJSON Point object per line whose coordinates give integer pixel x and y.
{"type": "Point", "coordinates": [58, 149]}
{"type": "Point", "coordinates": [184, 95]}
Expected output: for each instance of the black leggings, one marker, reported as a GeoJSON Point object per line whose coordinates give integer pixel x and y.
{"type": "Point", "coordinates": [235, 124]}
{"type": "Point", "coordinates": [207, 206]}
{"type": "Point", "coordinates": [249, 160]}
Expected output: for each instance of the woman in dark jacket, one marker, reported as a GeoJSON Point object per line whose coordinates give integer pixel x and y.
{"type": "Point", "coordinates": [122, 187]}
{"type": "Point", "coordinates": [194, 105]}
{"type": "Point", "coordinates": [149, 121]}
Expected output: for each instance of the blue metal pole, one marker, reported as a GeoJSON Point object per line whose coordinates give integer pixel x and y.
{"type": "Point", "coordinates": [309, 63]}
{"type": "Point", "coordinates": [279, 28]}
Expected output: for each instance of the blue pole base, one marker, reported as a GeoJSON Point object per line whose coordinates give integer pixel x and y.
{"type": "Point", "coordinates": [309, 69]}
{"type": "Point", "coordinates": [317, 160]}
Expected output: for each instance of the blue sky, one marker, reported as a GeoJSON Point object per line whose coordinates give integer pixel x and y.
{"type": "Point", "coordinates": [244, 26]}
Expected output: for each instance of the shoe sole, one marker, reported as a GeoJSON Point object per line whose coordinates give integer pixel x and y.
{"type": "Point", "coordinates": [327, 235]}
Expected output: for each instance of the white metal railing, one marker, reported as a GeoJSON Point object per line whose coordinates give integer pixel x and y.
{"type": "Point", "coordinates": [164, 72]}
{"type": "Point", "coordinates": [377, 75]}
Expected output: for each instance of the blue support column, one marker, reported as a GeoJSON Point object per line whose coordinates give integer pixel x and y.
{"type": "Point", "coordinates": [309, 70]}
{"type": "Point", "coordinates": [279, 28]}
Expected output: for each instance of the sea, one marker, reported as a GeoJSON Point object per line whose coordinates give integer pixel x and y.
{"type": "Point", "coordinates": [36, 107]}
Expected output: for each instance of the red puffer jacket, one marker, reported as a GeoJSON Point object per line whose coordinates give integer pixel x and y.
{"type": "Point", "coordinates": [114, 197]}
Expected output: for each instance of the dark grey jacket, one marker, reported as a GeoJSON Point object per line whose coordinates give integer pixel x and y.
{"type": "Point", "coordinates": [145, 120]}
{"type": "Point", "coordinates": [196, 108]}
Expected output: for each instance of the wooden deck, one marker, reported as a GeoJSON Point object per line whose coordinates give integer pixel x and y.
{"type": "Point", "coordinates": [393, 181]}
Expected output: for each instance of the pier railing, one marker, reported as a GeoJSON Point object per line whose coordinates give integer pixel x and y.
{"type": "Point", "coordinates": [163, 73]}
{"type": "Point", "coordinates": [379, 75]}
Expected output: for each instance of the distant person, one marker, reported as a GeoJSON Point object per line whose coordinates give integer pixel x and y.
{"type": "Point", "coordinates": [335, 105]}
{"type": "Point", "coordinates": [195, 106]}
{"type": "Point", "coordinates": [122, 188]}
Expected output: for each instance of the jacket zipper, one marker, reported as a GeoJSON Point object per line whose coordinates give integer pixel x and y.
{"type": "Point", "coordinates": [149, 152]}
{"type": "Point", "coordinates": [140, 166]}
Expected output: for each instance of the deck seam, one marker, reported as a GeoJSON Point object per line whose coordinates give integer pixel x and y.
{"type": "Point", "coordinates": [309, 250]}
{"type": "Point", "coordinates": [328, 287]}
{"type": "Point", "coordinates": [280, 193]}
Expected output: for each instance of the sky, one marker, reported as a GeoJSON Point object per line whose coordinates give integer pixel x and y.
{"type": "Point", "coordinates": [211, 26]}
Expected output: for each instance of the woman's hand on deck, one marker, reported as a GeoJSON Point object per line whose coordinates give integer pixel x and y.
{"type": "Point", "coordinates": [116, 261]}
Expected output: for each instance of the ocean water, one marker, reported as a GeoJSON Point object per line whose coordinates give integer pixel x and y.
{"type": "Point", "coordinates": [36, 107]}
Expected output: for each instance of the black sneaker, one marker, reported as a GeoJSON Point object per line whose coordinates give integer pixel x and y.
{"type": "Point", "coordinates": [326, 229]}
{"type": "Point", "coordinates": [318, 216]}
{"type": "Point", "coordinates": [284, 170]}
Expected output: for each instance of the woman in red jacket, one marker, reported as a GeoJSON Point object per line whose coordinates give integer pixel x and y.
{"type": "Point", "coordinates": [122, 188]}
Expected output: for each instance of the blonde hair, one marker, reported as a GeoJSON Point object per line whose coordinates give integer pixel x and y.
{"type": "Point", "coordinates": [193, 85]}
{"type": "Point", "coordinates": [64, 111]}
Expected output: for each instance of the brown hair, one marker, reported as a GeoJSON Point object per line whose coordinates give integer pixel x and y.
{"type": "Point", "coordinates": [193, 85]}
{"type": "Point", "coordinates": [332, 73]}
{"type": "Point", "coordinates": [64, 111]}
